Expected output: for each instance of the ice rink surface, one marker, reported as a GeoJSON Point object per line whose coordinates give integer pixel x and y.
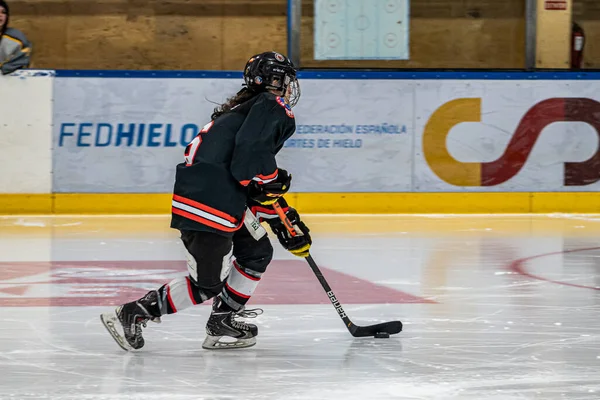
{"type": "Point", "coordinates": [494, 307]}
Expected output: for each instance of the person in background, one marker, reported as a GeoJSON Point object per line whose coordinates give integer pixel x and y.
{"type": "Point", "coordinates": [15, 49]}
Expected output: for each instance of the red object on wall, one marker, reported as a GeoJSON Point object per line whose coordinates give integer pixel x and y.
{"type": "Point", "coordinates": [558, 5]}
{"type": "Point", "coordinates": [577, 45]}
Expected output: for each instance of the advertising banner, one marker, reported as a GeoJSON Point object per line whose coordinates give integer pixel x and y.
{"type": "Point", "coordinates": [127, 135]}
{"type": "Point", "coordinates": [523, 136]}
{"type": "Point", "coordinates": [352, 136]}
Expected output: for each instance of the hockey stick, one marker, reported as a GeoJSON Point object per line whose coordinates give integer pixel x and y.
{"type": "Point", "coordinates": [377, 330]}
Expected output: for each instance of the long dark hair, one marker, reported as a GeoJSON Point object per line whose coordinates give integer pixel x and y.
{"type": "Point", "coordinates": [3, 28]}
{"type": "Point", "coordinates": [241, 97]}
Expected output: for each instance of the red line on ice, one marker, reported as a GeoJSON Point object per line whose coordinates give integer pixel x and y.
{"type": "Point", "coordinates": [518, 266]}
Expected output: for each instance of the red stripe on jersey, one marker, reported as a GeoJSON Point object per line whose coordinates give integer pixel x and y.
{"type": "Point", "coordinates": [206, 208]}
{"type": "Point", "coordinates": [264, 210]}
{"type": "Point", "coordinates": [170, 299]}
{"type": "Point", "coordinates": [205, 221]}
{"type": "Point", "coordinates": [267, 177]}
{"type": "Point", "coordinates": [235, 292]}
{"type": "Point", "coordinates": [189, 285]}
{"type": "Point", "coordinates": [252, 278]}
{"type": "Point", "coordinates": [261, 178]}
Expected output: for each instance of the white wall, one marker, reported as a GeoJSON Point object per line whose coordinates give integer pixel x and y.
{"type": "Point", "coordinates": [26, 132]}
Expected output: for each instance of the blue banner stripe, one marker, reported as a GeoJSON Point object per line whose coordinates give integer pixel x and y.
{"type": "Point", "coordinates": [71, 73]}
{"type": "Point", "coordinates": [331, 74]}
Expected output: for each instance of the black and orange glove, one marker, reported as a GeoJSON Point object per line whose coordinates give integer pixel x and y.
{"type": "Point", "coordinates": [298, 245]}
{"type": "Point", "coordinates": [269, 193]}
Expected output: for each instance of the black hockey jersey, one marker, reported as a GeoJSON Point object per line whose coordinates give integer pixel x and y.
{"type": "Point", "coordinates": [210, 191]}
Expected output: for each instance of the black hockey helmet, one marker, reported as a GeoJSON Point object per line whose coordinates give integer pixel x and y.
{"type": "Point", "coordinates": [272, 71]}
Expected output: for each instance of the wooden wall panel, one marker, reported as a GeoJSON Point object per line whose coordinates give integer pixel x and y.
{"type": "Point", "coordinates": [222, 34]}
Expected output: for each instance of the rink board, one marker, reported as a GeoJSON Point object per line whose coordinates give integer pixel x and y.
{"type": "Point", "coordinates": [319, 203]}
{"type": "Point", "coordinates": [108, 141]}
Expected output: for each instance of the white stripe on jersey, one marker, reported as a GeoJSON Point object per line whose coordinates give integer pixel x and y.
{"type": "Point", "coordinates": [257, 179]}
{"type": "Point", "coordinates": [203, 214]}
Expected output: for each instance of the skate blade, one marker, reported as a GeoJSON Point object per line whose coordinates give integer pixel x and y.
{"type": "Point", "coordinates": [215, 343]}
{"type": "Point", "coordinates": [110, 322]}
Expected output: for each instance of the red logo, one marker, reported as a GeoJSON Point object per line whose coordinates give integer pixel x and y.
{"type": "Point", "coordinates": [493, 173]}
{"type": "Point", "coordinates": [109, 283]}
{"type": "Point", "coordinates": [288, 110]}
{"type": "Point", "coordinates": [559, 5]}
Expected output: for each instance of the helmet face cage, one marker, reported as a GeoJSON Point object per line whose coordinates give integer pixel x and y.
{"type": "Point", "coordinates": [294, 92]}
{"type": "Point", "coordinates": [285, 81]}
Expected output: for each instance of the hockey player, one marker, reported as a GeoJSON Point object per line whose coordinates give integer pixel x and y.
{"type": "Point", "coordinates": [229, 176]}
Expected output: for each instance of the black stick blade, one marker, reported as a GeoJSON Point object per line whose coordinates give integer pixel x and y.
{"type": "Point", "coordinates": [391, 327]}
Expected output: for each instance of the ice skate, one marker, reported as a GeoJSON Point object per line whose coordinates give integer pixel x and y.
{"type": "Point", "coordinates": [125, 323]}
{"type": "Point", "coordinates": [224, 332]}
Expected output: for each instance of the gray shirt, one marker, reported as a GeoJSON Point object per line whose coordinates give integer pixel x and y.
{"type": "Point", "coordinates": [15, 51]}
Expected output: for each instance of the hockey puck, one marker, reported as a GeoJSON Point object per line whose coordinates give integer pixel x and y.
{"type": "Point", "coordinates": [382, 335]}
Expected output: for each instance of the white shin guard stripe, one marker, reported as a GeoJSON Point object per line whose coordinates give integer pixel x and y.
{"type": "Point", "coordinates": [227, 264]}
{"type": "Point", "coordinates": [241, 283]}
{"type": "Point", "coordinates": [192, 266]}
{"type": "Point", "coordinates": [179, 294]}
